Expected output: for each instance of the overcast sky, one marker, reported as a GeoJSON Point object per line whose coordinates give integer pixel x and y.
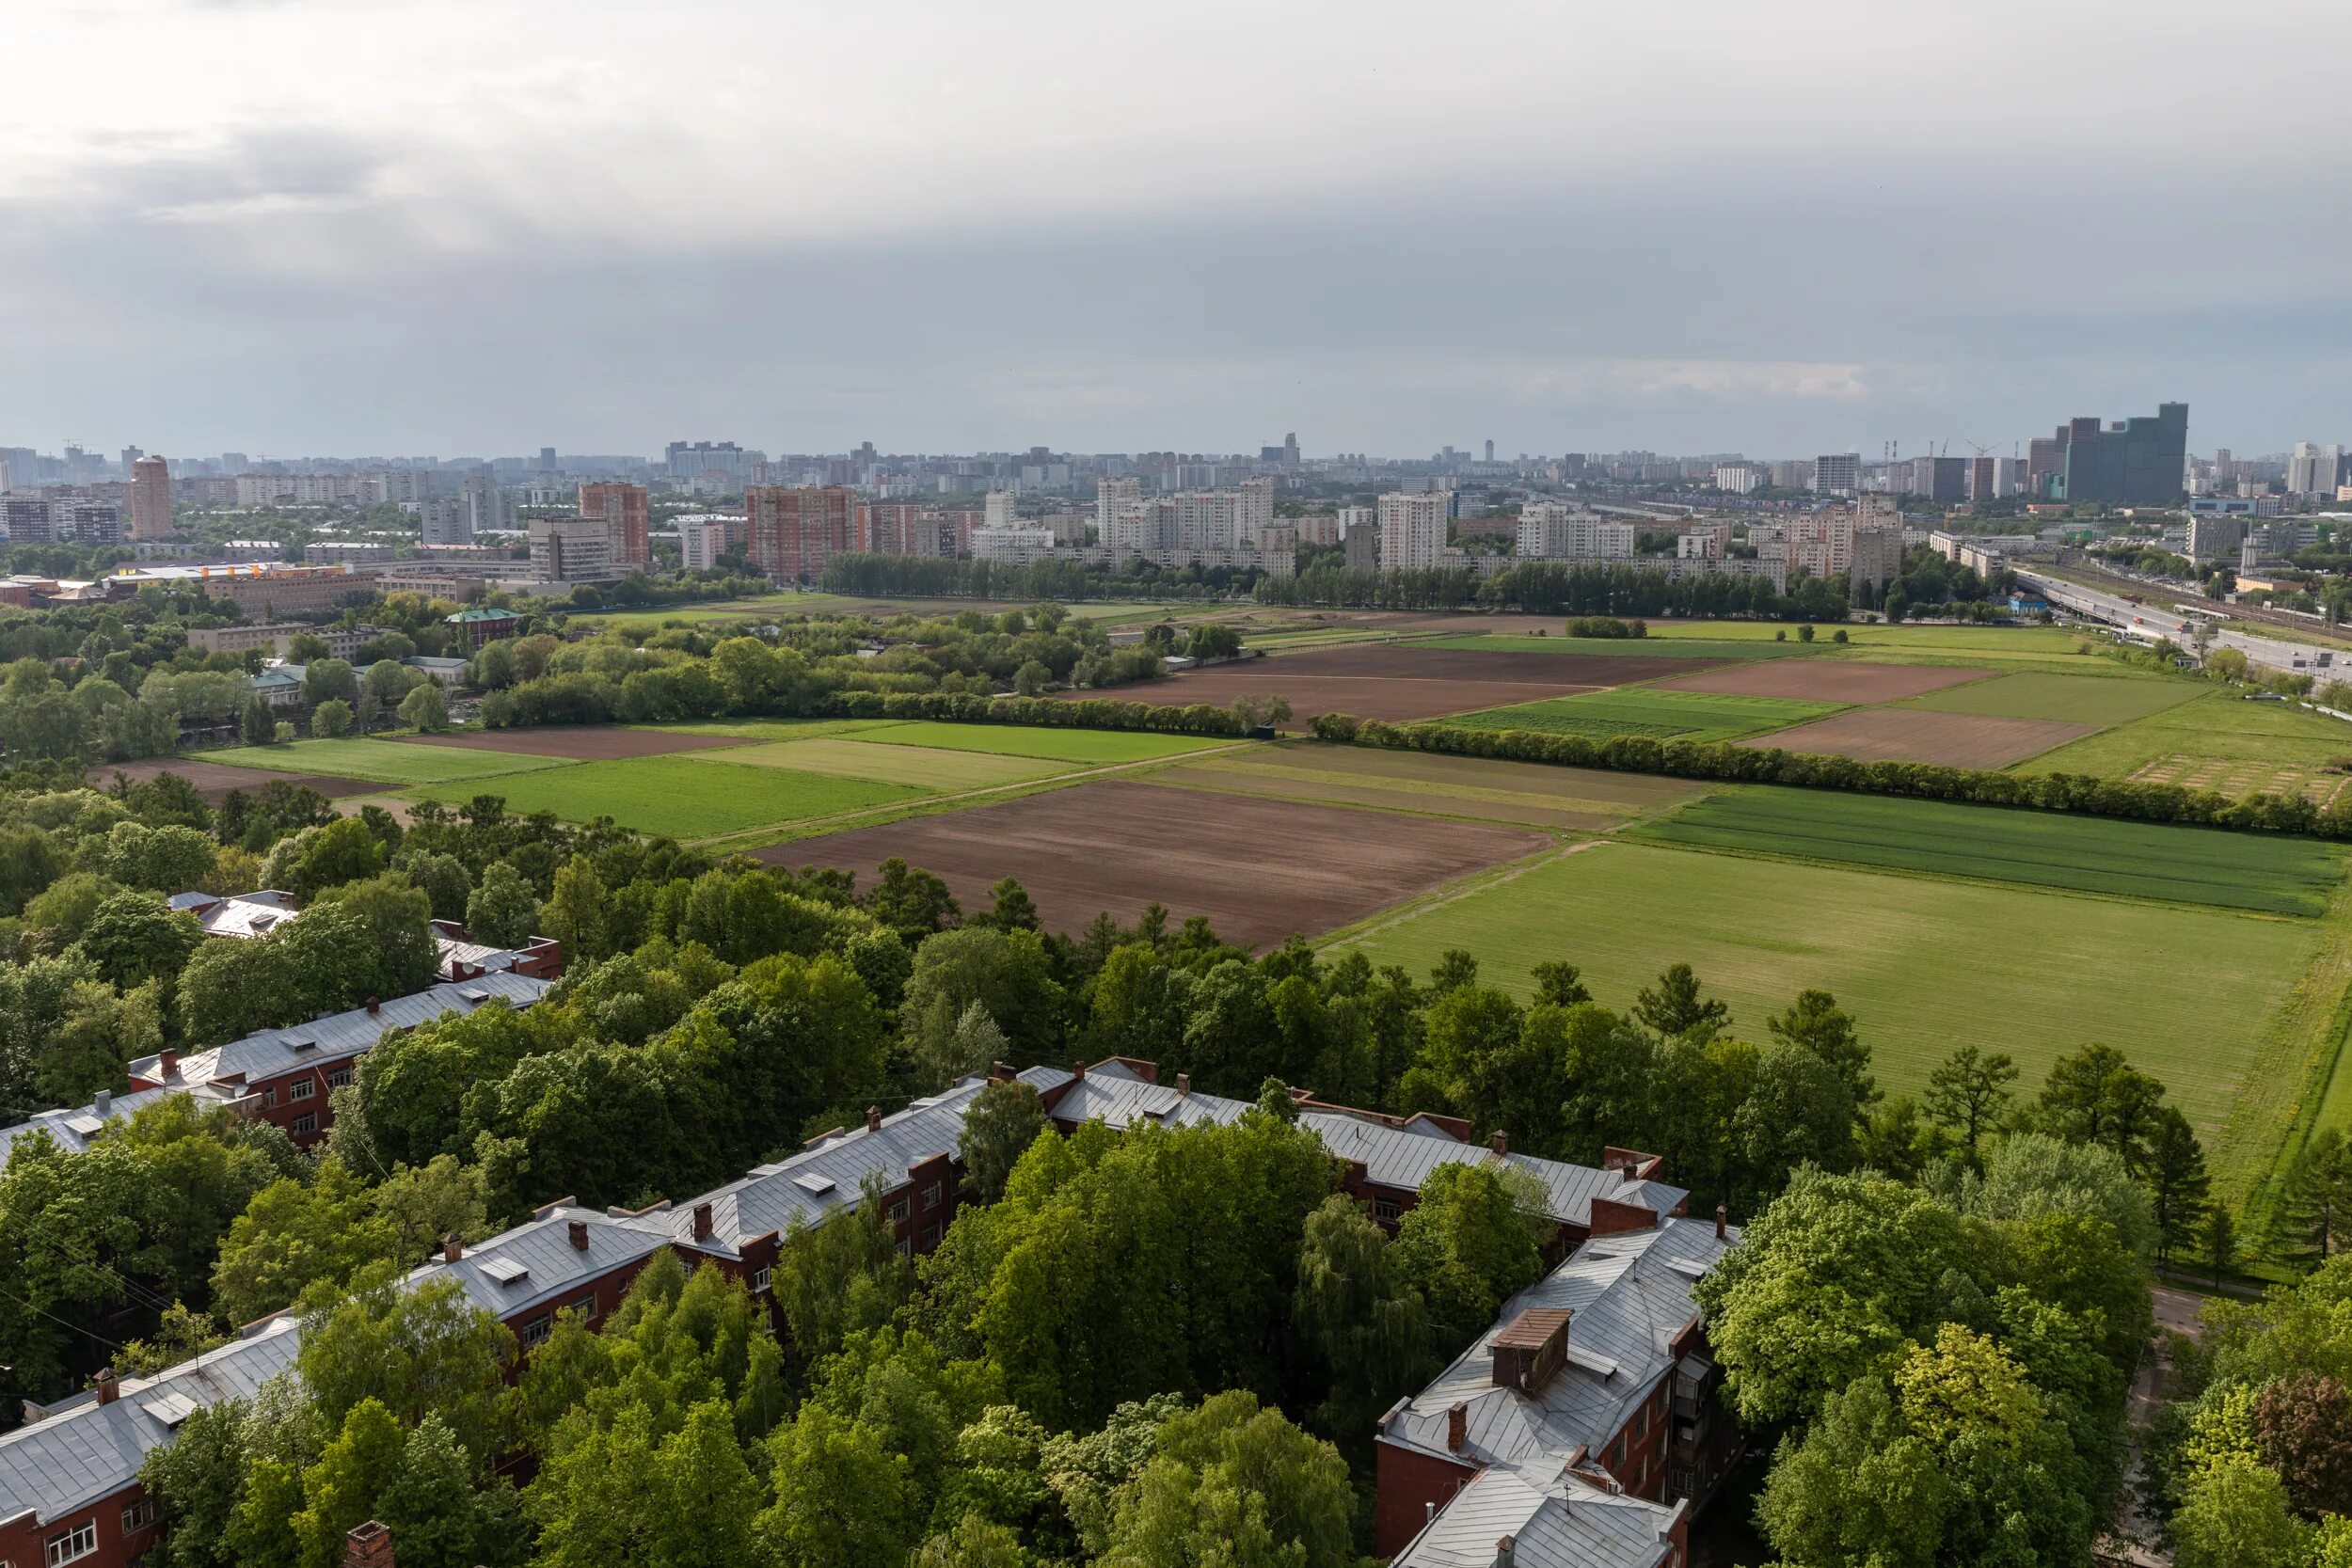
{"type": "Point", "coordinates": [476, 226]}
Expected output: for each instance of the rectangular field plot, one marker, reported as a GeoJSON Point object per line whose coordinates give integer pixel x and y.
{"type": "Point", "coordinates": [2274, 874]}
{"type": "Point", "coordinates": [1711, 649]}
{"type": "Point", "coordinates": [2217, 740]}
{"type": "Point", "coordinates": [683, 797]}
{"type": "Point", "coordinates": [383, 761]}
{"type": "Point", "coordinates": [2101, 700]}
{"type": "Point", "coordinates": [1051, 745]}
{"type": "Point", "coordinates": [1825, 680]}
{"type": "Point", "coordinates": [1924, 965]}
{"type": "Point", "coordinates": [1258, 869]}
{"type": "Point", "coordinates": [1533, 794]}
{"type": "Point", "coordinates": [1651, 713]}
{"type": "Point", "coordinates": [926, 768]}
{"type": "Point", "coordinates": [1914, 735]}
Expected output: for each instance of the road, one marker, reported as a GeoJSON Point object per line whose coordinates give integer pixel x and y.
{"type": "Point", "coordinates": [2157, 618]}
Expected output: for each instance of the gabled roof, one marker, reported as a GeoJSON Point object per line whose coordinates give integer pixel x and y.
{"type": "Point", "coordinates": [1630, 1300]}
{"type": "Point", "coordinates": [337, 1035]}
{"type": "Point", "coordinates": [1555, 1521]}
{"type": "Point", "coordinates": [535, 1262]}
{"type": "Point", "coordinates": [76, 1127]}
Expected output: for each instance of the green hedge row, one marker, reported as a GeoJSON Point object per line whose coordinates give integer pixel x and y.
{"type": "Point", "coordinates": [1086, 713]}
{"type": "Point", "coordinates": [2069, 792]}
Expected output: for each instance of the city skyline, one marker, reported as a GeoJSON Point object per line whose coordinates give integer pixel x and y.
{"type": "Point", "coordinates": [1562, 231]}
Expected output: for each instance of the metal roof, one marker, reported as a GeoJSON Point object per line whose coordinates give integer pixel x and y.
{"type": "Point", "coordinates": [337, 1035]}
{"type": "Point", "coordinates": [74, 1128]}
{"type": "Point", "coordinates": [1555, 1521]}
{"type": "Point", "coordinates": [1629, 1301]}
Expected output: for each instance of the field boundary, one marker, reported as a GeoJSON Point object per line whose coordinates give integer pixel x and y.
{"type": "Point", "coordinates": [1454, 892]}
{"type": "Point", "coordinates": [2303, 1050]}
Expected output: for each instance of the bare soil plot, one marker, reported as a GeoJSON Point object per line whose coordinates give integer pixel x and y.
{"type": "Point", "coordinates": [583, 743]}
{"type": "Point", "coordinates": [213, 780]}
{"type": "Point", "coordinates": [1915, 735]}
{"type": "Point", "coordinates": [1823, 680]}
{"type": "Point", "coordinates": [1398, 681]}
{"type": "Point", "coordinates": [1259, 869]}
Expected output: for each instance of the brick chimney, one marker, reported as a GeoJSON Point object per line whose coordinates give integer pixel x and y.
{"type": "Point", "coordinates": [580, 1235]}
{"type": "Point", "coordinates": [108, 1389]}
{"type": "Point", "coordinates": [370, 1546]}
{"type": "Point", "coordinates": [1501, 1141]}
{"type": "Point", "coordinates": [873, 1118]}
{"type": "Point", "coordinates": [1001, 1071]}
{"type": "Point", "coordinates": [1184, 1085]}
{"type": "Point", "coordinates": [375, 1006]}
{"type": "Point", "coordinates": [1530, 1349]}
{"type": "Point", "coordinates": [453, 1247]}
{"type": "Point", "coordinates": [1507, 1552]}
{"type": "Point", "coordinates": [1078, 1071]}
{"type": "Point", "coordinates": [1457, 1428]}
{"type": "Point", "coordinates": [701, 1221]}
{"type": "Point", "coordinates": [1722, 1217]}
{"type": "Point", "coordinates": [167, 1061]}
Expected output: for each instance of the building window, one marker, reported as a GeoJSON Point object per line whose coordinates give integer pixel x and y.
{"type": "Point", "coordinates": [75, 1545]}
{"type": "Point", "coordinates": [339, 1079]}
{"type": "Point", "coordinates": [308, 1122]}
{"type": "Point", "coordinates": [906, 1246]}
{"type": "Point", "coordinates": [585, 1308]}
{"type": "Point", "coordinates": [536, 1332]}
{"type": "Point", "coordinates": [301, 1089]}
{"type": "Point", "coordinates": [138, 1515]}
{"type": "Point", "coordinates": [269, 1099]}
{"type": "Point", "coordinates": [931, 1195]}
{"type": "Point", "coordinates": [1616, 1454]}
{"type": "Point", "coordinates": [1640, 1424]}
{"type": "Point", "coordinates": [931, 1237]}
{"type": "Point", "coordinates": [900, 1210]}
{"type": "Point", "coordinates": [1387, 1210]}
{"type": "Point", "coordinates": [760, 1279]}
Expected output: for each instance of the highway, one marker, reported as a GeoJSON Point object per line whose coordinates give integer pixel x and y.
{"type": "Point", "coordinates": [2158, 619]}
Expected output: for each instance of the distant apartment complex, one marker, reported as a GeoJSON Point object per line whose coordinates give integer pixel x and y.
{"type": "Point", "coordinates": [2141, 461]}
{"type": "Point", "coordinates": [625, 509]}
{"type": "Point", "coordinates": [1413, 531]}
{"type": "Point", "coordinates": [151, 498]}
{"type": "Point", "coordinates": [792, 532]}
{"type": "Point", "coordinates": [1837, 473]}
{"type": "Point", "coordinates": [1550, 531]}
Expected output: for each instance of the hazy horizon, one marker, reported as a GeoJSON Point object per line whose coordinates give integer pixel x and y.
{"type": "Point", "coordinates": [350, 227]}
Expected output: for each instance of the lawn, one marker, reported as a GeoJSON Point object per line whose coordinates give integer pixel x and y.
{"type": "Point", "coordinates": [2070, 699]}
{"type": "Point", "coordinates": [1053, 745]}
{"type": "Point", "coordinates": [2217, 740]}
{"type": "Point", "coordinates": [683, 797]}
{"type": "Point", "coordinates": [926, 768]}
{"type": "Point", "coordinates": [1648, 647]}
{"type": "Point", "coordinates": [2269, 872]}
{"type": "Point", "coordinates": [1925, 966]}
{"type": "Point", "coordinates": [1649, 713]}
{"type": "Point", "coordinates": [385, 761]}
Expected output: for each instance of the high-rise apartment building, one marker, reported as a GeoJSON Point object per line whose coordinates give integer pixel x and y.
{"type": "Point", "coordinates": [794, 532]}
{"type": "Point", "coordinates": [2315, 470]}
{"type": "Point", "coordinates": [2135, 462]}
{"type": "Point", "coordinates": [1412, 530]}
{"type": "Point", "coordinates": [1836, 473]}
{"type": "Point", "coordinates": [998, 510]}
{"type": "Point", "coordinates": [701, 540]}
{"type": "Point", "coordinates": [1118, 513]}
{"type": "Point", "coordinates": [573, 550]}
{"type": "Point", "coordinates": [626, 508]}
{"type": "Point", "coordinates": [151, 498]}
{"type": "Point", "coordinates": [444, 520]}
{"type": "Point", "coordinates": [1550, 531]}
{"type": "Point", "coordinates": [1941, 479]}
{"type": "Point", "coordinates": [488, 505]}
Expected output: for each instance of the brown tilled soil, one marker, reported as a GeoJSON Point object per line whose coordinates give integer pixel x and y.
{"type": "Point", "coordinates": [1823, 680]}
{"type": "Point", "coordinates": [585, 743]}
{"type": "Point", "coordinates": [1259, 869]}
{"type": "Point", "coordinates": [213, 780]}
{"type": "Point", "coordinates": [1916, 735]}
{"type": "Point", "coordinates": [1394, 682]}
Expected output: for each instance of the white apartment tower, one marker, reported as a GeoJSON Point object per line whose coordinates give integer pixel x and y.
{"type": "Point", "coordinates": [999, 513]}
{"type": "Point", "coordinates": [1550, 532]}
{"type": "Point", "coordinates": [1412, 530]}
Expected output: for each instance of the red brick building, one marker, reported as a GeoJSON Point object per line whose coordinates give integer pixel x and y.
{"type": "Point", "coordinates": [794, 531]}
{"type": "Point", "coordinates": [624, 508]}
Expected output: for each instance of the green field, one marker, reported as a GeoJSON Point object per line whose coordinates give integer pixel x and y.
{"type": "Point", "coordinates": [1649, 713]}
{"type": "Point", "coordinates": [1648, 647]}
{"type": "Point", "coordinates": [2270, 873]}
{"type": "Point", "coordinates": [684, 797]}
{"type": "Point", "coordinates": [383, 761]}
{"type": "Point", "coordinates": [2217, 740]}
{"type": "Point", "coordinates": [2069, 698]}
{"type": "Point", "coordinates": [1013, 740]}
{"type": "Point", "coordinates": [926, 768]}
{"type": "Point", "coordinates": [1924, 964]}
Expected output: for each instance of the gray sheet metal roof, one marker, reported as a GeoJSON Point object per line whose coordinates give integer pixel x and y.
{"type": "Point", "coordinates": [1402, 1157]}
{"type": "Point", "coordinates": [70, 1127]}
{"type": "Point", "coordinates": [828, 1177]}
{"type": "Point", "coordinates": [1628, 1305]}
{"type": "Point", "coordinates": [553, 1272]}
{"type": "Point", "coordinates": [58, 1467]}
{"type": "Point", "coordinates": [272, 1051]}
{"type": "Point", "coordinates": [1556, 1522]}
